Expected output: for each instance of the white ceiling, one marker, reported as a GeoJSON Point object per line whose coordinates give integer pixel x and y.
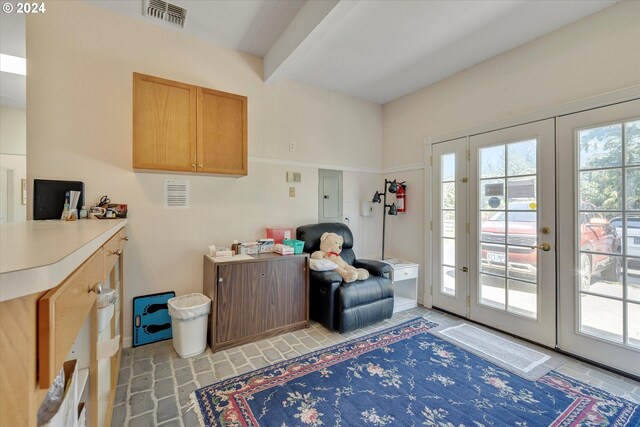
{"type": "Point", "coordinates": [381, 50]}
{"type": "Point", "coordinates": [250, 26]}
{"type": "Point", "coordinates": [376, 50]}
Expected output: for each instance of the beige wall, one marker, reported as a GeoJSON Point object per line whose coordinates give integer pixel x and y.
{"type": "Point", "coordinates": [79, 94]}
{"type": "Point", "coordinates": [13, 150]}
{"type": "Point", "coordinates": [11, 207]}
{"type": "Point", "coordinates": [593, 56]}
{"type": "Point", "coordinates": [13, 131]}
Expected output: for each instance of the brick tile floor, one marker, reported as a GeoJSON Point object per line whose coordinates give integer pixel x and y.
{"type": "Point", "coordinates": [155, 383]}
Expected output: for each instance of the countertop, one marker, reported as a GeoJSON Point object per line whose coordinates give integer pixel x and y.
{"type": "Point", "coordinates": [36, 256]}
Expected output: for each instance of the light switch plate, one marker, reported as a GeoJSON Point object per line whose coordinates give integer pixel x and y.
{"type": "Point", "coordinates": [292, 191]}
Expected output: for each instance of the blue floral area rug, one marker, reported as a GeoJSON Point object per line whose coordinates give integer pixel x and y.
{"type": "Point", "coordinates": [404, 376]}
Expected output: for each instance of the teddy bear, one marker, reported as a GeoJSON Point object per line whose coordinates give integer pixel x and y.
{"type": "Point", "coordinates": [330, 248]}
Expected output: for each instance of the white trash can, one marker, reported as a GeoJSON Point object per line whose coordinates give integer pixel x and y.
{"type": "Point", "coordinates": [189, 318]}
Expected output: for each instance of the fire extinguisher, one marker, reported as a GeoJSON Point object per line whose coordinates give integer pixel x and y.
{"type": "Point", "coordinates": [401, 198]}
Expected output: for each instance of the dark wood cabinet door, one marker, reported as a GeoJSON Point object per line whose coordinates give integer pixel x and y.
{"type": "Point", "coordinates": [256, 299]}
{"type": "Point", "coordinates": [241, 300]}
{"type": "Point", "coordinates": [286, 299]}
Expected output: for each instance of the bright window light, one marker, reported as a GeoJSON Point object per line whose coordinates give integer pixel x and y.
{"type": "Point", "coordinates": [13, 64]}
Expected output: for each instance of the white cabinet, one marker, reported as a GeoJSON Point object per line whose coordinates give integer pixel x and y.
{"type": "Point", "coordinates": [405, 284]}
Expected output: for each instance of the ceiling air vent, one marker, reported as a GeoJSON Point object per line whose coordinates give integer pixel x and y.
{"type": "Point", "coordinates": [166, 11]}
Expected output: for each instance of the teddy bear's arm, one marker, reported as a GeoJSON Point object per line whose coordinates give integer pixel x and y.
{"type": "Point", "coordinates": [317, 255]}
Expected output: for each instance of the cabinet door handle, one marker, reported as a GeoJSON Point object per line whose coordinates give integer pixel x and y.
{"type": "Point", "coordinates": [117, 253]}
{"type": "Point", "coordinates": [200, 165]}
{"type": "Point", "coordinates": [97, 288]}
{"type": "Point", "coordinates": [193, 165]}
{"type": "Point", "coordinates": [125, 238]}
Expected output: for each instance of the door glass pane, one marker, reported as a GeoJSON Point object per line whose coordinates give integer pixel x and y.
{"type": "Point", "coordinates": [449, 167]}
{"type": "Point", "coordinates": [632, 138]}
{"type": "Point", "coordinates": [606, 275]}
{"type": "Point", "coordinates": [523, 228]}
{"type": "Point", "coordinates": [600, 147]}
{"type": "Point", "coordinates": [492, 161]}
{"type": "Point", "coordinates": [521, 193]}
{"type": "Point", "coordinates": [608, 231]}
{"type": "Point", "coordinates": [492, 194]}
{"type": "Point", "coordinates": [633, 320]}
{"type": "Point", "coordinates": [522, 298]}
{"type": "Point", "coordinates": [448, 224]}
{"type": "Point", "coordinates": [522, 158]}
{"type": "Point", "coordinates": [601, 189]}
{"type": "Point", "coordinates": [633, 279]}
{"type": "Point", "coordinates": [448, 280]}
{"type": "Point", "coordinates": [633, 188]}
{"type": "Point", "coordinates": [509, 227]}
{"type": "Point", "coordinates": [492, 291]}
{"type": "Point", "coordinates": [493, 227]}
{"type": "Point", "coordinates": [601, 317]}
{"type": "Point", "coordinates": [449, 195]}
{"type": "Point", "coordinates": [493, 258]}
{"type": "Point", "coordinates": [522, 262]}
{"type": "Point", "coordinates": [448, 251]}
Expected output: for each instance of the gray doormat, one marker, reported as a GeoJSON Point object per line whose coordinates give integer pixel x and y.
{"type": "Point", "coordinates": [523, 359]}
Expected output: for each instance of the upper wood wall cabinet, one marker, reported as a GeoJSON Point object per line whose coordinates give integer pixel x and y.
{"type": "Point", "coordinates": [181, 127]}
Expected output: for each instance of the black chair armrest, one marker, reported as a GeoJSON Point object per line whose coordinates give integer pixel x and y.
{"type": "Point", "coordinates": [325, 277]}
{"type": "Point", "coordinates": [376, 268]}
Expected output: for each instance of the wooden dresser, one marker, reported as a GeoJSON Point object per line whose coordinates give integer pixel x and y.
{"type": "Point", "coordinates": [256, 298]}
{"type": "Point", "coordinates": [50, 275]}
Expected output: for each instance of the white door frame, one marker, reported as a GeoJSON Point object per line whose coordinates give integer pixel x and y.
{"type": "Point", "coordinates": [542, 329]}
{"type": "Point", "coordinates": [458, 302]}
{"type": "Point", "coordinates": [587, 103]}
{"type": "Point", "coordinates": [570, 339]}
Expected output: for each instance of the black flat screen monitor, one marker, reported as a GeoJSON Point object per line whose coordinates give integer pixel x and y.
{"type": "Point", "coordinates": [48, 197]}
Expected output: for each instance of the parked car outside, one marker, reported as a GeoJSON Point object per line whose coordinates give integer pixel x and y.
{"type": "Point", "coordinates": [598, 238]}
{"type": "Point", "coordinates": [633, 237]}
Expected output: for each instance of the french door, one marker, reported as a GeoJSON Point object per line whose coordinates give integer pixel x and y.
{"type": "Point", "coordinates": [494, 229]}
{"type": "Point", "coordinates": [599, 281]}
{"type": "Point", "coordinates": [450, 271]}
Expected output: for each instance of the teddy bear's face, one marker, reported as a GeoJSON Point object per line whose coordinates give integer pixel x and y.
{"type": "Point", "coordinates": [331, 242]}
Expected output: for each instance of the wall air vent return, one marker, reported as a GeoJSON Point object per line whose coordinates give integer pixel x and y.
{"type": "Point", "coordinates": [176, 194]}
{"type": "Point", "coordinates": [166, 11]}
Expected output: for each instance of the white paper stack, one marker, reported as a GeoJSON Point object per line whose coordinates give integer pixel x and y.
{"type": "Point", "coordinates": [74, 196]}
{"type": "Point", "coordinates": [283, 249]}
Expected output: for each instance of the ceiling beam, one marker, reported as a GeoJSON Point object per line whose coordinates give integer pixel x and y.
{"type": "Point", "coordinates": [315, 19]}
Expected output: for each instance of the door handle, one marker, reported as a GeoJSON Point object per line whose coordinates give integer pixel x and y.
{"type": "Point", "coordinates": [545, 247]}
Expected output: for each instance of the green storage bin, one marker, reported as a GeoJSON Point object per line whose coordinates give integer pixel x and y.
{"type": "Point", "coordinates": [297, 245]}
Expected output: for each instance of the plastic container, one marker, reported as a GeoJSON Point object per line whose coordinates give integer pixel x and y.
{"type": "Point", "coordinates": [297, 245]}
{"type": "Point", "coordinates": [278, 234]}
{"type": "Point", "coordinates": [189, 318]}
